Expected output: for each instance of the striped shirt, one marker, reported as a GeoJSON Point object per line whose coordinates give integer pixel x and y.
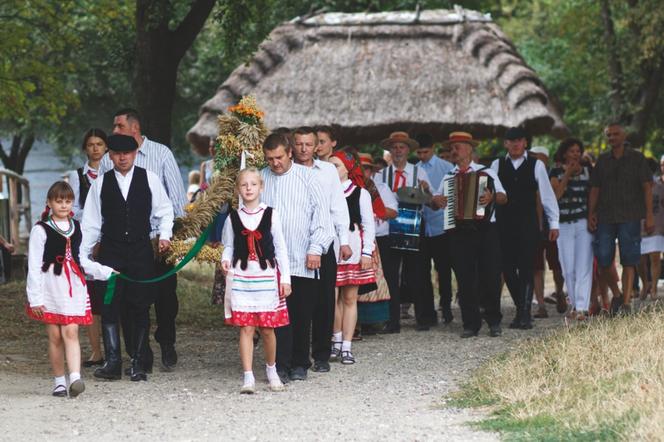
{"type": "Point", "coordinates": [573, 204]}
{"type": "Point", "coordinates": [298, 197]}
{"type": "Point", "coordinates": [334, 199]}
{"type": "Point", "coordinates": [158, 159]}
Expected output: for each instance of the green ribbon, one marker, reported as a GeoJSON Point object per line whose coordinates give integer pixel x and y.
{"type": "Point", "coordinates": [198, 245]}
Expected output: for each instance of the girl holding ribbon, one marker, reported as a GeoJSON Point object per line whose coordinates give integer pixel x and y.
{"type": "Point", "coordinates": [56, 287]}
{"type": "Point", "coordinates": [255, 261]}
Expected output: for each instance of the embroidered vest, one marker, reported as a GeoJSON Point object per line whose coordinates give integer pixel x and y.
{"type": "Point", "coordinates": [126, 221]}
{"type": "Point", "coordinates": [56, 244]}
{"type": "Point", "coordinates": [353, 201]}
{"type": "Point", "coordinates": [253, 244]}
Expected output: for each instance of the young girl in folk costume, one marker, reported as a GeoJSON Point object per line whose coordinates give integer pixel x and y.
{"type": "Point", "coordinates": [56, 289]}
{"type": "Point", "coordinates": [358, 269]}
{"type": "Point", "coordinates": [258, 276]}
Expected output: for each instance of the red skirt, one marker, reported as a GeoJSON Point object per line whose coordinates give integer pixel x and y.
{"type": "Point", "coordinates": [58, 319]}
{"type": "Point", "coordinates": [352, 274]}
{"type": "Point", "coordinates": [273, 319]}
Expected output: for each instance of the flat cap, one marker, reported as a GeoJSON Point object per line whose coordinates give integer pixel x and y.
{"type": "Point", "coordinates": [516, 133]}
{"type": "Point", "coordinates": [122, 143]}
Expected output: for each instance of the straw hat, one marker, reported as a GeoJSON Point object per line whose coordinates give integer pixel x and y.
{"type": "Point", "coordinates": [399, 137]}
{"type": "Point", "coordinates": [461, 137]}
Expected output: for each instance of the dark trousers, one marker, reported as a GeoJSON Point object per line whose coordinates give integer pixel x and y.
{"type": "Point", "coordinates": [476, 262]}
{"type": "Point", "coordinates": [131, 301]}
{"type": "Point", "coordinates": [518, 245]}
{"type": "Point", "coordinates": [437, 248]}
{"type": "Point", "coordinates": [166, 306]}
{"type": "Point", "coordinates": [323, 316]}
{"type": "Point", "coordinates": [412, 264]}
{"type": "Point", "coordinates": [293, 340]}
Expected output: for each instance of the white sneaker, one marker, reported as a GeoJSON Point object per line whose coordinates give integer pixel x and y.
{"type": "Point", "coordinates": [249, 388]}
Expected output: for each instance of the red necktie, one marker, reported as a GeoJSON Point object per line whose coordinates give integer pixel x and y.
{"type": "Point", "coordinates": [92, 174]}
{"type": "Point", "coordinates": [399, 180]}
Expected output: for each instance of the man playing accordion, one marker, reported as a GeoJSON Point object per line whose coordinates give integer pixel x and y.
{"type": "Point", "coordinates": [474, 239]}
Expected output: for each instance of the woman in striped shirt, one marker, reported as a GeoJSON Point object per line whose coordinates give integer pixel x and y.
{"type": "Point", "coordinates": [571, 184]}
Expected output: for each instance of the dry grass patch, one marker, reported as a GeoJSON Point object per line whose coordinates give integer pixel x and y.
{"type": "Point", "coordinates": [603, 380]}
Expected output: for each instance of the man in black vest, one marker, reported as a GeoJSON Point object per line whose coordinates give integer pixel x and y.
{"type": "Point", "coordinates": [523, 177]}
{"type": "Point", "coordinates": [117, 214]}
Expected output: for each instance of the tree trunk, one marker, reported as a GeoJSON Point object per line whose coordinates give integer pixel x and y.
{"type": "Point", "coordinates": [158, 54]}
{"type": "Point", "coordinates": [617, 94]}
{"type": "Point", "coordinates": [18, 152]}
{"type": "Point", "coordinates": [645, 103]}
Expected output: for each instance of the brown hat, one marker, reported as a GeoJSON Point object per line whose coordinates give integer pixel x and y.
{"type": "Point", "coordinates": [461, 137]}
{"type": "Point", "coordinates": [399, 137]}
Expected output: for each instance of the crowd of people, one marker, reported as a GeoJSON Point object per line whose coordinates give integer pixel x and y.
{"type": "Point", "coordinates": [328, 244]}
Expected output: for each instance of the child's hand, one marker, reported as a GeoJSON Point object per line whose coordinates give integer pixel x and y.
{"type": "Point", "coordinates": [225, 266]}
{"type": "Point", "coordinates": [38, 311]}
{"type": "Point", "coordinates": [284, 290]}
{"type": "Point", "coordinates": [366, 262]}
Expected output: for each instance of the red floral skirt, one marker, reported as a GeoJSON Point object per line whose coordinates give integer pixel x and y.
{"type": "Point", "coordinates": [352, 274]}
{"type": "Point", "coordinates": [273, 319]}
{"type": "Point", "coordinates": [59, 319]}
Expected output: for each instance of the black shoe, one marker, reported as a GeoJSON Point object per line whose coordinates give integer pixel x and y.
{"type": "Point", "coordinates": [468, 333]}
{"type": "Point", "coordinates": [526, 324]}
{"type": "Point", "coordinates": [495, 331]}
{"type": "Point", "coordinates": [88, 364]}
{"type": "Point", "coordinates": [169, 357]}
{"type": "Point", "coordinates": [447, 317]}
{"type": "Point", "coordinates": [60, 391]}
{"type": "Point", "coordinates": [321, 367]}
{"type": "Point", "coordinates": [112, 368]}
{"type": "Point", "coordinates": [516, 322]}
{"type": "Point", "coordinates": [422, 327]}
{"type": "Point", "coordinates": [283, 376]}
{"type": "Point", "coordinates": [389, 329]}
{"type": "Point", "coordinates": [298, 374]}
{"type": "Point", "coordinates": [616, 303]}
{"type": "Point", "coordinates": [127, 371]}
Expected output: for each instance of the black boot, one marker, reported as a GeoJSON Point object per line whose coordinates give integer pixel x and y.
{"type": "Point", "coordinates": [112, 368]}
{"type": "Point", "coordinates": [526, 306]}
{"type": "Point", "coordinates": [137, 372]}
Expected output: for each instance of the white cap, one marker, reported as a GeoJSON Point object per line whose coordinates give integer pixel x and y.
{"type": "Point", "coordinates": [540, 150]}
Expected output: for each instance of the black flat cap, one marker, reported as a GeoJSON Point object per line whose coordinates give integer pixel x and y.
{"type": "Point", "coordinates": [122, 143]}
{"type": "Point", "coordinates": [516, 133]}
{"type": "Point", "coordinates": [424, 139]}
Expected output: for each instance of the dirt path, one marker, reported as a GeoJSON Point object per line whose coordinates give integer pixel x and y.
{"type": "Point", "coordinates": [396, 391]}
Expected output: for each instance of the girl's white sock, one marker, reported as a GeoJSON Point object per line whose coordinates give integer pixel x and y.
{"type": "Point", "coordinates": [60, 380]}
{"type": "Point", "coordinates": [74, 376]}
{"type": "Point", "coordinates": [336, 339]}
{"type": "Point", "coordinates": [249, 378]}
{"type": "Point", "coordinates": [345, 346]}
{"type": "Point", "coordinates": [271, 372]}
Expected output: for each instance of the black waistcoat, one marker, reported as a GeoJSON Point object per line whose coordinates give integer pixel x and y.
{"type": "Point", "coordinates": [83, 187]}
{"type": "Point", "coordinates": [521, 209]}
{"type": "Point", "coordinates": [54, 249]}
{"type": "Point", "coordinates": [264, 245]}
{"type": "Point", "coordinates": [353, 201]}
{"type": "Point", "coordinates": [126, 221]}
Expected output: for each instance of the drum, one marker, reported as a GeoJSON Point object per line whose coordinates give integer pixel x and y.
{"type": "Point", "coordinates": [405, 228]}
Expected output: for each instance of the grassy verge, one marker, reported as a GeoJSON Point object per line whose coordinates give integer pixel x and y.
{"type": "Point", "coordinates": [601, 381]}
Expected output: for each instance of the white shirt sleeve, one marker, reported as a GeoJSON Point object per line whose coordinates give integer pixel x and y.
{"type": "Point", "coordinates": [227, 238]}
{"type": "Point", "coordinates": [162, 208]}
{"type": "Point", "coordinates": [368, 223]}
{"type": "Point", "coordinates": [494, 166]}
{"type": "Point", "coordinates": [73, 181]}
{"type": "Point", "coordinates": [389, 200]}
{"type": "Point", "coordinates": [173, 183]}
{"type": "Point", "coordinates": [549, 201]}
{"type": "Point", "coordinates": [35, 283]}
{"type": "Point", "coordinates": [280, 249]}
{"type": "Point", "coordinates": [498, 186]}
{"type": "Point", "coordinates": [339, 210]}
{"type": "Point", "coordinates": [318, 237]}
{"type": "Point", "coordinates": [91, 230]}
{"type": "Point", "coordinates": [104, 165]}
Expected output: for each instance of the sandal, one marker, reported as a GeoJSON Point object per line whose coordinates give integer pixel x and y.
{"type": "Point", "coordinates": [60, 391]}
{"type": "Point", "coordinates": [335, 353]}
{"type": "Point", "coordinates": [347, 358]}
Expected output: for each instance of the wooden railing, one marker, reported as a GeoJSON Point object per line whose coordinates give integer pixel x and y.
{"type": "Point", "coordinates": [18, 188]}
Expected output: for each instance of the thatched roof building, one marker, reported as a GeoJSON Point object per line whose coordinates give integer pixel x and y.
{"type": "Point", "coordinates": [372, 73]}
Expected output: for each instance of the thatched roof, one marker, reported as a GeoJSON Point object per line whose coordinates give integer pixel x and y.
{"type": "Point", "coordinates": [373, 73]}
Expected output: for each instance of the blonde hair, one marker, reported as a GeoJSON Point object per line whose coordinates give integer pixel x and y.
{"type": "Point", "coordinates": [194, 177]}
{"type": "Point", "coordinates": [247, 171]}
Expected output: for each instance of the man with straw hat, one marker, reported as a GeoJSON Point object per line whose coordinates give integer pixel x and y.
{"type": "Point", "coordinates": [475, 244]}
{"type": "Point", "coordinates": [403, 174]}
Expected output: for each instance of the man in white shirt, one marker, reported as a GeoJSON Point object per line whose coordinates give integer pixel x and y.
{"type": "Point", "coordinates": [294, 191]}
{"type": "Point", "coordinates": [401, 173]}
{"type": "Point", "coordinates": [476, 257]}
{"type": "Point", "coordinates": [523, 177]}
{"type": "Point", "coordinates": [158, 159]}
{"type": "Point", "coordinates": [118, 210]}
{"type": "Point", "coordinates": [306, 143]}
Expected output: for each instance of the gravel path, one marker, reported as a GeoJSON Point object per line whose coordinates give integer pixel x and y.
{"type": "Point", "coordinates": [396, 391]}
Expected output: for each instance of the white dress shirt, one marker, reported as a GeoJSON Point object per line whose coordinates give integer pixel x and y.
{"type": "Point", "coordinates": [408, 172]}
{"type": "Point", "coordinates": [547, 196]}
{"type": "Point", "coordinates": [76, 186]}
{"type": "Point", "coordinates": [251, 219]}
{"type": "Point", "coordinates": [162, 213]}
{"type": "Point", "coordinates": [333, 196]}
{"type": "Point", "coordinates": [390, 202]}
{"type": "Point", "coordinates": [158, 159]}
{"type": "Point", "coordinates": [497, 185]}
{"type": "Point", "coordinates": [297, 196]}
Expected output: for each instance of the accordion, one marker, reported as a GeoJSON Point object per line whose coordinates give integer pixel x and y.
{"type": "Point", "coordinates": [463, 192]}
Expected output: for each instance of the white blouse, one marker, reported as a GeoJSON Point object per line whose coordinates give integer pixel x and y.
{"type": "Point", "coordinates": [251, 218]}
